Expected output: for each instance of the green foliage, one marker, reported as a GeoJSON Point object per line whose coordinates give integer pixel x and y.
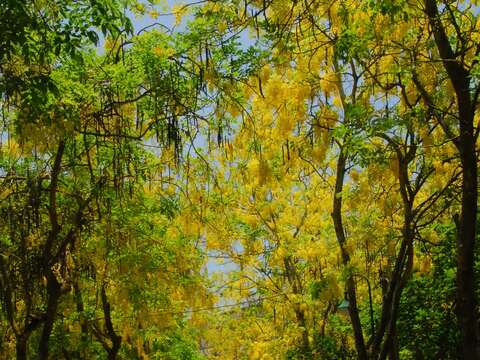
{"type": "Point", "coordinates": [427, 312]}
{"type": "Point", "coordinates": [175, 346]}
{"type": "Point", "coordinates": [123, 172]}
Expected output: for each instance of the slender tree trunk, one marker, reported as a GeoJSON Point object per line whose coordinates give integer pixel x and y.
{"type": "Point", "coordinates": [393, 346]}
{"type": "Point", "coordinates": [460, 78]}
{"type": "Point", "coordinates": [350, 282]}
{"type": "Point", "coordinates": [305, 341]}
{"type": "Point", "coordinates": [80, 310]}
{"type": "Point", "coordinates": [406, 260]}
{"type": "Point", "coordinates": [54, 292]}
{"type": "Point", "coordinates": [53, 287]}
{"type": "Point", "coordinates": [21, 347]}
{"type": "Point", "coordinates": [114, 338]}
{"type": "Point", "coordinates": [466, 304]}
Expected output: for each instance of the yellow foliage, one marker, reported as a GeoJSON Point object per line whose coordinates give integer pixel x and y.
{"type": "Point", "coordinates": [179, 11]}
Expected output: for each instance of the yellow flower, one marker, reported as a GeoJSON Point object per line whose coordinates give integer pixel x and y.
{"type": "Point", "coordinates": [163, 52]}
{"type": "Point", "coordinates": [222, 26]}
{"type": "Point", "coordinates": [140, 8]}
{"type": "Point", "coordinates": [179, 12]}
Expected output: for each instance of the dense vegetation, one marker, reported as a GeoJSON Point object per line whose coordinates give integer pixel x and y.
{"type": "Point", "coordinates": [260, 180]}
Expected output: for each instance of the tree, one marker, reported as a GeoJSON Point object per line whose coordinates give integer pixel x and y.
{"type": "Point", "coordinates": [310, 192]}
{"type": "Point", "coordinates": [336, 53]}
{"type": "Point", "coordinates": [76, 144]}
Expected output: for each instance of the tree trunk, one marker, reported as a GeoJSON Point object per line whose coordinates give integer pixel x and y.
{"type": "Point", "coordinates": [21, 347]}
{"type": "Point", "coordinates": [80, 310]}
{"type": "Point", "coordinates": [114, 338]}
{"type": "Point", "coordinates": [466, 304]}
{"type": "Point", "coordinates": [54, 292]}
{"type": "Point", "coordinates": [393, 347]}
{"type": "Point", "coordinates": [350, 283]}
{"type": "Point", "coordinates": [459, 76]}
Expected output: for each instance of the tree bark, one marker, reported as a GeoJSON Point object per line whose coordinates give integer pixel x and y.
{"type": "Point", "coordinates": [54, 292]}
{"type": "Point", "coordinates": [114, 338]}
{"type": "Point", "coordinates": [21, 347]}
{"type": "Point", "coordinates": [466, 304]}
{"type": "Point", "coordinates": [465, 279]}
{"type": "Point", "coordinates": [350, 282]}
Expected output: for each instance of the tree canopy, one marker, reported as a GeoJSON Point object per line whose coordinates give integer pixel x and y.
{"type": "Point", "coordinates": [244, 180]}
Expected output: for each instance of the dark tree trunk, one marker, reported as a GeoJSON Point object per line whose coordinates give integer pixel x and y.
{"type": "Point", "coordinates": [466, 305]}
{"type": "Point", "coordinates": [350, 283]}
{"type": "Point", "coordinates": [460, 78]}
{"type": "Point", "coordinates": [114, 338]}
{"type": "Point", "coordinates": [393, 347]}
{"type": "Point", "coordinates": [21, 347]}
{"type": "Point", "coordinates": [80, 310]}
{"type": "Point", "coordinates": [54, 292]}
